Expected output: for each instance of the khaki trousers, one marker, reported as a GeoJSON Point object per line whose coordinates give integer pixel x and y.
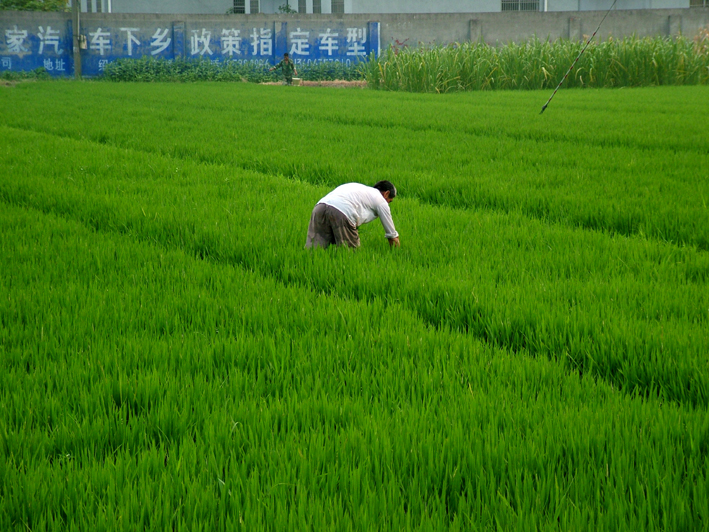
{"type": "Point", "coordinates": [330, 226]}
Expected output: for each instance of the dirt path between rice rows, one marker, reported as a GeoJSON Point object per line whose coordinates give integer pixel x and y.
{"type": "Point", "coordinates": [337, 83]}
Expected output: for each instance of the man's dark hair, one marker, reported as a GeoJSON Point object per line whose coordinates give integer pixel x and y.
{"type": "Point", "coordinates": [285, 54]}
{"type": "Point", "coordinates": [386, 186]}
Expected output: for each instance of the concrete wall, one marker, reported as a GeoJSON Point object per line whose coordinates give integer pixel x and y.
{"type": "Point", "coordinates": [493, 28]}
{"type": "Point", "coordinates": [36, 39]}
{"type": "Point", "coordinates": [201, 7]}
{"type": "Point", "coordinates": [621, 5]}
{"type": "Point", "coordinates": [207, 7]}
{"type": "Point", "coordinates": [425, 6]}
{"type": "Point", "coordinates": [218, 7]}
{"type": "Point", "coordinates": [501, 28]}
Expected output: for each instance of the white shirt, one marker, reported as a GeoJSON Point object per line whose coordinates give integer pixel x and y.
{"type": "Point", "coordinates": [361, 204]}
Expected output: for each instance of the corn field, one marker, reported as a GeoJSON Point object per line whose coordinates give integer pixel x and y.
{"type": "Point", "coordinates": [628, 62]}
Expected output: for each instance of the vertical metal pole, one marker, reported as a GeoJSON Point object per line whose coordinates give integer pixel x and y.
{"type": "Point", "coordinates": [76, 23]}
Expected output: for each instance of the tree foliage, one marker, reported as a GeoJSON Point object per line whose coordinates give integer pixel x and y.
{"type": "Point", "coordinates": [286, 8]}
{"type": "Point", "coordinates": [34, 5]}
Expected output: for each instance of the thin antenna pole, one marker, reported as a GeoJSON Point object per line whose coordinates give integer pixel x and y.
{"type": "Point", "coordinates": [577, 57]}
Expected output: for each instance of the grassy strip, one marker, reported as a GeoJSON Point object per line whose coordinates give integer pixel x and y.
{"type": "Point", "coordinates": [630, 311]}
{"type": "Point", "coordinates": [628, 62]}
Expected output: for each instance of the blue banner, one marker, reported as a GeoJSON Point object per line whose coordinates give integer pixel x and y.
{"type": "Point", "coordinates": [28, 46]}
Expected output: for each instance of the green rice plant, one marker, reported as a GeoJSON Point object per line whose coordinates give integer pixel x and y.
{"type": "Point", "coordinates": [600, 164]}
{"type": "Point", "coordinates": [609, 308]}
{"type": "Point", "coordinates": [163, 368]}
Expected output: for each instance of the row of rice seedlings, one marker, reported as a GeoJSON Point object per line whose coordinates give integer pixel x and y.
{"type": "Point", "coordinates": [596, 118]}
{"type": "Point", "coordinates": [144, 387]}
{"type": "Point", "coordinates": [630, 311]}
{"type": "Point", "coordinates": [537, 64]}
{"type": "Point", "coordinates": [619, 172]}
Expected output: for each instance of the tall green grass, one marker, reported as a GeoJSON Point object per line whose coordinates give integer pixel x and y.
{"type": "Point", "coordinates": [537, 64]}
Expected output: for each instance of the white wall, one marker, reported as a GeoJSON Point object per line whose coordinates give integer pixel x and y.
{"type": "Point", "coordinates": [270, 6]}
{"type": "Point", "coordinates": [201, 7]}
{"type": "Point", "coordinates": [420, 6]}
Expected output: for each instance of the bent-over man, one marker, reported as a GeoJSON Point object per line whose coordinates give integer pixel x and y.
{"type": "Point", "coordinates": [337, 216]}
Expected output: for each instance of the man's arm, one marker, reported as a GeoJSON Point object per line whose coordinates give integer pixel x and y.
{"type": "Point", "coordinates": [394, 242]}
{"type": "Point", "coordinates": [390, 231]}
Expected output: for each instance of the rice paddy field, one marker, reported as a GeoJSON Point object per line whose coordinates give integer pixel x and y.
{"type": "Point", "coordinates": [535, 355]}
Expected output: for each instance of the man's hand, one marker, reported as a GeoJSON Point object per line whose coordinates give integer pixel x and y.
{"type": "Point", "coordinates": [394, 242]}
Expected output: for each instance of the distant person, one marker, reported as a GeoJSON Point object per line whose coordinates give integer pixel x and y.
{"type": "Point", "coordinates": [337, 216]}
{"type": "Point", "coordinates": [288, 68]}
